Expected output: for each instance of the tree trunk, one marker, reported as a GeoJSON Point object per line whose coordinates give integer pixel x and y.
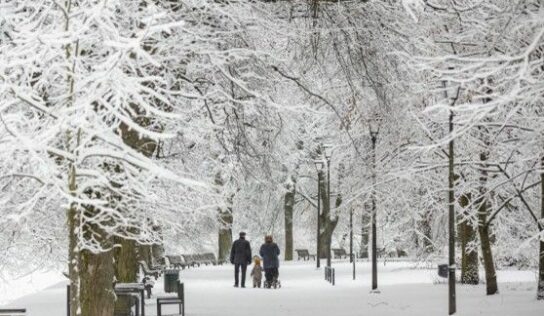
{"type": "Point", "coordinates": [225, 234]}
{"type": "Point", "coordinates": [365, 232]}
{"type": "Point", "coordinates": [126, 268]}
{"type": "Point", "coordinates": [427, 232]}
{"type": "Point", "coordinates": [157, 249]}
{"type": "Point", "coordinates": [540, 289]}
{"type": "Point", "coordinates": [96, 272]}
{"type": "Point", "coordinates": [73, 260]}
{"type": "Point", "coordinates": [225, 218]}
{"type": "Point", "coordinates": [289, 204]}
{"type": "Point", "coordinates": [144, 253]}
{"type": "Point", "coordinates": [127, 253]}
{"type": "Point", "coordinates": [483, 229]}
{"type": "Point", "coordinates": [328, 224]}
{"type": "Point", "coordinates": [469, 253]}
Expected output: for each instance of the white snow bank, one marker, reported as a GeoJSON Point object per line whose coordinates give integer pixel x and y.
{"type": "Point", "coordinates": [13, 288]}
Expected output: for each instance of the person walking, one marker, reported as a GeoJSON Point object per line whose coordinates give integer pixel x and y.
{"type": "Point", "coordinates": [240, 256]}
{"type": "Point", "coordinates": [270, 253]}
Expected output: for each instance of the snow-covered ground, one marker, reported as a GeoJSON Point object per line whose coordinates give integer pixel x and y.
{"type": "Point", "coordinates": [405, 290]}
{"type": "Point", "coordinates": [12, 288]}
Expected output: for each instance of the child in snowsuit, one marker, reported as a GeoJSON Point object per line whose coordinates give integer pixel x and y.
{"type": "Point", "coordinates": [257, 272]}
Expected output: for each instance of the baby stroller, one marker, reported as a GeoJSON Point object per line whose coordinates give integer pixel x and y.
{"type": "Point", "coordinates": [275, 283]}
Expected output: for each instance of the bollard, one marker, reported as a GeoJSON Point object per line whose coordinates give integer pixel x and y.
{"type": "Point", "coordinates": [353, 261]}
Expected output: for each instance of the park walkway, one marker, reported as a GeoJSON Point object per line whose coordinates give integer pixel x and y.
{"type": "Point", "coordinates": [405, 290]}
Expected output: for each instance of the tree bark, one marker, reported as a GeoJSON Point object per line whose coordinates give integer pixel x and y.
{"type": "Point", "coordinates": [540, 287]}
{"type": "Point", "coordinates": [289, 203]}
{"type": "Point", "coordinates": [96, 272]}
{"type": "Point", "coordinates": [73, 260]}
{"type": "Point", "coordinates": [225, 234]}
{"type": "Point", "coordinates": [365, 232]}
{"type": "Point", "coordinates": [127, 253]}
{"type": "Point", "coordinates": [225, 218]}
{"type": "Point", "coordinates": [483, 229]}
{"type": "Point", "coordinates": [469, 253]}
{"type": "Point", "coordinates": [126, 268]}
{"type": "Point", "coordinates": [328, 224]}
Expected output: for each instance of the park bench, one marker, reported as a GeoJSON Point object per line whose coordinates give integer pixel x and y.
{"type": "Point", "coordinates": [178, 300]}
{"type": "Point", "coordinates": [13, 312]}
{"type": "Point", "coordinates": [190, 260]}
{"type": "Point", "coordinates": [209, 258]}
{"type": "Point", "coordinates": [135, 291]}
{"type": "Point", "coordinates": [304, 254]}
{"type": "Point", "coordinates": [339, 253]}
{"type": "Point", "coordinates": [200, 259]}
{"type": "Point", "coordinates": [149, 272]}
{"type": "Point", "coordinates": [176, 262]}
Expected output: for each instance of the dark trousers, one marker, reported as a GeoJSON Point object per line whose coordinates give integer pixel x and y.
{"type": "Point", "coordinates": [271, 274]}
{"type": "Point", "coordinates": [237, 267]}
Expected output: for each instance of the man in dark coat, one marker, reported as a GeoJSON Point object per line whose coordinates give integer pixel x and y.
{"type": "Point", "coordinates": [270, 253]}
{"type": "Point", "coordinates": [240, 256]}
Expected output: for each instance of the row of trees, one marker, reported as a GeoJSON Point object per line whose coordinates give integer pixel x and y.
{"type": "Point", "coordinates": [173, 123]}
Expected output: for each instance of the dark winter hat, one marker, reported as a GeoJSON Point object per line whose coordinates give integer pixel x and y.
{"type": "Point", "coordinates": [242, 234]}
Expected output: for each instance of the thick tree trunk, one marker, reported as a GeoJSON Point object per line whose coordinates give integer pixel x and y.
{"type": "Point", "coordinates": [97, 273]}
{"type": "Point", "coordinates": [127, 253]}
{"type": "Point", "coordinates": [126, 268]}
{"type": "Point", "coordinates": [225, 234]}
{"type": "Point", "coordinates": [225, 218]}
{"type": "Point", "coordinates": [289, 204]}
{"type": "Point", "coordinates": [540, 287]}
{"type": "Point", "coordinates": [144, 254]}
{"type": "Point", "coordinates": [469, 253]}
{"type": "Point", "coordinates": [483, 229]}
{"type": "Point", "coordinates": [328, 224]}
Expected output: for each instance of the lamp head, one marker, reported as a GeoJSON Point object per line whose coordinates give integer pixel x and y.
{"type": "Point", "coordinates": [328, 151]}
{"type": "Point", "coordinates": [319, 164]}
{"type": "Point", "coordinates": [374, 123]}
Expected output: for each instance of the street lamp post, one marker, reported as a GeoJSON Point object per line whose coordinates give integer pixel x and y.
{"type": "Point", "coordinates": [328, 155]}
{"type": "Point", "coordinates": [319, 167]}
{"type": "Point", "coordinates": [374, 129]}
{"type": "Point", "coordinates": [351, 235]}
{"type": "Point", "coordinates": [351, 254]}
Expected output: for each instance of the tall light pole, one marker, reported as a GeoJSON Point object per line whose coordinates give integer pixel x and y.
{"type": "Point", "coordinates": [351, 254]}
{"type": "Point", "coordinates": [374, 128]}
{"type": "Point", "coordinates": [319, 167]}
{"type": "Point", "coordinates": [328, 155]}
{"type": "Point", "coordinates": [351, 235]}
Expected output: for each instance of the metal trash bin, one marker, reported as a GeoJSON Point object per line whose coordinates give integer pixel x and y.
{"type": "Point", "coordinates": [171, 278]}
{"type": "Point", "coordinates": [443, 270]}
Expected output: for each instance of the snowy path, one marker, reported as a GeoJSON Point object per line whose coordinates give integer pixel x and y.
{"type": "Point", "coordinates": [405, 291]}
